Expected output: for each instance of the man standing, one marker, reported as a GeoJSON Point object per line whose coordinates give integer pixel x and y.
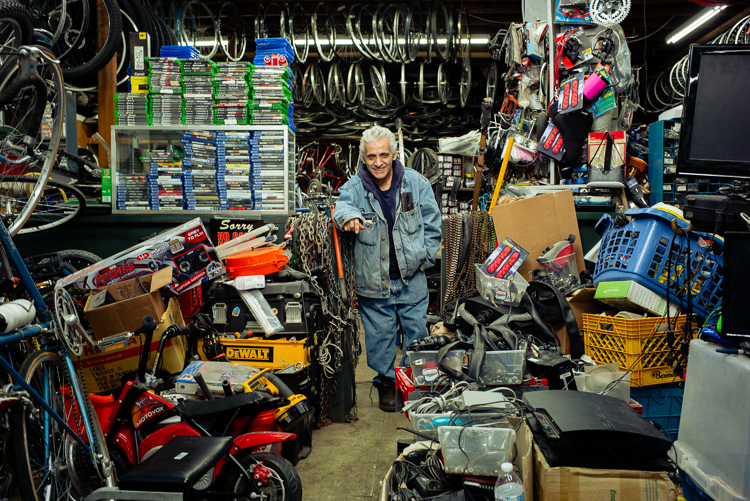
{"type": "Point", "coordinates": [393, 212]}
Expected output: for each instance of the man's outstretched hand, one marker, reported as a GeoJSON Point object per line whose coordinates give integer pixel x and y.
{"type": "Point", "coordinates": [353, 225]}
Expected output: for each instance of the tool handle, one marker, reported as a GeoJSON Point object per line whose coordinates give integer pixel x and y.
{"type": "Point", "coordinates": [339, 264]}
{"type": "Point", "coordinates": [503, 168]}
{"type": "Point", "coordinates": [204, 387]}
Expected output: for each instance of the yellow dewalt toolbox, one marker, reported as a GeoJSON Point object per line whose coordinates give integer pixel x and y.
{"type": "Point", "coordinates": [274, 354]}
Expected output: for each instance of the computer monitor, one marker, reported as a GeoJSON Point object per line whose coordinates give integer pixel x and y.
{"type": "Point", "coordinates": [714, 136]}
{"type": "Point", "coordinates": [736, 286]}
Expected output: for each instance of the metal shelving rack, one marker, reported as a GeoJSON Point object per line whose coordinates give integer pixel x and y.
{"type": "Point", "coordinates": [125, 139]}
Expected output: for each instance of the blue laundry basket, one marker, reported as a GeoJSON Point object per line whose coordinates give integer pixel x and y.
{"type": "Point", "coordinates": [647, 251]}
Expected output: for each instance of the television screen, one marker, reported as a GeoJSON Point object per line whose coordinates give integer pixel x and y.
{"type": "Point", "coordinates": [714, 136]}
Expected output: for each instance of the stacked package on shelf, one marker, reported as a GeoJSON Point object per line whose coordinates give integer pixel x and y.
{"type": "Point", "coordinates": [165, 177]}
{"type": "Point", "coordinates": [272, 82]}
{"type": "Point", "coordinates": [203, 183]}
{"type": "Point", "coordinates": [236, 169]}
{"type": "Point", "coordinates": [131, 109]}
{"type": "Point", "coordinates": [267, 175]}
{"type": "Point", "coordinates": [166, 90]}
{"type": "Point", "coordinates": [271, 93]}
{"type": "Point", "coordinates": [231, 93]}
{"type": "Point", "coordinates": [132, 189]}
{"type": "Point", "coordinates": [198, 91]}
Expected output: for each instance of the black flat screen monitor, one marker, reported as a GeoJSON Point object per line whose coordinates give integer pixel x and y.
{"type": "Point", "coordinates": [715, 136]}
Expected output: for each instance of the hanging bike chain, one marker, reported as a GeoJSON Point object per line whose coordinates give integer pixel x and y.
{"type": "Point", "coordinates": [454, 233]}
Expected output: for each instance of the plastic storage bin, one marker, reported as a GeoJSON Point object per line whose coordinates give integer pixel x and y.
{"type": "Point", "coordinates": [661, 404]}
{"type": "Point", "coordinates": [476, 450]}
{"type": "Point", "coordinates": [646, 250]}
{"type": "Point", "coordinates": [428, 424]}
{"type": "Point", "coordinates": [615, 384]}
{"type": "Point", "coordinates": [498, 290]}
{"type": "Point", "coordinates": [713, 445]}
{"type": "Point", "coordinates": [503, 367]}
{"type": "Point", "coordinates": [637, 344]}
{"type": "Point", "coordinates": [424, 366]}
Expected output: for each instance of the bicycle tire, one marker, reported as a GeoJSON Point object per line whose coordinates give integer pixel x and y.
{"type": "Point", "coordinates": [44, 156]}
{"type": "Point", "coordinates": [237, 31]}
{"type": "Point", "coordinates": [443, 53]}
{"type": "Point", "coordinates": [329, 33]}
{"type": "Point", "coordinates": [355, 85]}
{"type": "Point", "coordinates": [344, 46]}
{"type": "Point", "coordinates": [88, 59]}
{"type": "Point", "coordinates": [200, 36]}
{"type": "Point", "coordinates": [14, 15]}
{"type": "Point", "coordinates": [58, 204]}
{"type": "Point", "coordinates": [284, 478]}
{"type": "Point", "coordinates": [351, 18]}
{"type": "Point", "coordinates": [367, 41]}
{"type": "Point", "coordinates": [31, 118]}
{"type": "Point", "coordinates": [294, 33]}
{"type": "Point", "coordinates": [80, 259]}
{"type": "Point", "coordinates": [44, 13]}
{"type": "Point", "coordinates": [383, 23]}
{"type": "Point", "coordinates": [68, 470]}
{"type": "Point", "coordinates": [414, 31]}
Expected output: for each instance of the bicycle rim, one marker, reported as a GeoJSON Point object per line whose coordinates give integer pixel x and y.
{"type": "Point", "coordinates": [89, 55]}
{"type": "Point", "coordinates": [48, 16]}
{"type": "Point", "coordinates": [299, 32]}
{"type": "Point", "coordinates": [232, 32]}
{"type": "Point", "coordinates": [344, 46]}
{"type": "Point", "coordinates": [198, 28]}
{"type": "Point", "coordinates": [326, 36]}
{"type": "Point", "coordinates": [12, 138]}
{"type": "Point", "coordinates": [58, 204]}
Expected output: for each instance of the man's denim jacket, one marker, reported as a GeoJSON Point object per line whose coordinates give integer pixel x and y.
{"type": "Point", "coordinates": [416, 233]}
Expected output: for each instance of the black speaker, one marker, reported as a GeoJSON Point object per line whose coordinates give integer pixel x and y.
{"type": "Point", "coordinates": [736, 286]}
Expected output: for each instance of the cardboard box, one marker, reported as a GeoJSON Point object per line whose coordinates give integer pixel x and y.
{"type": "Point", "coordinates": [103, 371]}
{"type": "Point", "coordinates": [135, 298]}
{"type": "Point", "coordinates": [525, 457]}
{"type": "Point", "coordinates": [629, 295]}
{"type": "Point", "coordinates": [585, 484]}
{"type": "Point", "coordinates": [581, 301]}
{"type": "Point", "coordinates": [187, 248]}
{"type": "Point", "coordinates": [536, 223]}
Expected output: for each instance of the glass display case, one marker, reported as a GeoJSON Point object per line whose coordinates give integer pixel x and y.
{"type": "Point", "coordinates": [217, 170]}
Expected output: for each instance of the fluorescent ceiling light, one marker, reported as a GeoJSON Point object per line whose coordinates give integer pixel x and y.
{"type": "Point", "coordinates": [698, 20]}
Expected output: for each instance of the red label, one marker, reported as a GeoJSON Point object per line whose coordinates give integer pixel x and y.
{"type": "Point", "coordinates": [195, 235]}
{"type": "Point", "coordinates": [142, 256]}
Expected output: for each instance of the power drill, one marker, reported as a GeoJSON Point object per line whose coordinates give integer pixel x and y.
{"type": "Point", "coordinates": [288, 416]}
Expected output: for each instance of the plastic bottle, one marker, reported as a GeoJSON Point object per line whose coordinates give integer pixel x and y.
{"type": "Point", "coordinates": [508, 486]}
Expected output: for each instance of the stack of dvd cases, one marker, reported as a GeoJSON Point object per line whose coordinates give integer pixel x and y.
{"type": "Point", "coordinates": [232, 89]}
{"type": "Point", "coordinates": [132, 189]}
{"type": "Point", "coordinates": [165, 177]}
{"type": "Point", "coordinates": [271, 102]}
{"type": "Point", "coordinates": [131, 109]}
{"type": "Point", "coordinates": [267, 176]}
{"type": "Point", "coordinates": [203, 184]}
{"type": "Point", "coordinates": [236, 169]}
{"type": "Point", "coordinates": [166, 90]}
{"type": "Point", "coordinates": [198, 92]}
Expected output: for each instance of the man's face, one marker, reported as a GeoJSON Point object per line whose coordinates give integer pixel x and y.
{"type": "Point", "coordinates": [378, 158]}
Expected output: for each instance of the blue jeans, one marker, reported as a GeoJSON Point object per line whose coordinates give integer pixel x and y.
{"type": "Point", "coordinates": [406, 305]}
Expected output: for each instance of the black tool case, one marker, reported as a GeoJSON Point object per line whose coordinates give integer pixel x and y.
{"type": "Point", "coordinates": [705, 210]}
{"type": "Point", "coordinates": [296, 305]}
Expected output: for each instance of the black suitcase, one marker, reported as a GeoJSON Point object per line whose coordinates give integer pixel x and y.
{"type": "Point", "coordinates": [295, 304]}
{"type": "Point", "coordinates": [705, 210]}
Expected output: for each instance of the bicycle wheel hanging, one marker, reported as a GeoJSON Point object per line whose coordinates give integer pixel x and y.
{"type": "Point", "coordinates": [15, 25]}
{"type": "Point", "coordinates": [402, 83]}
{"type": "Point", "coordinates": [364, 31]}
{"type": "Point", "coordinates": [343, 45]}
{"type": "Point", "coordinates": [385, 37]}
{"type": "Point", "coordinates": [298, 32]}
{"type": "Point", "coordinates": [464, 85]}
{"type": "Point", "coordinates": [232, 36]}
{"type": "Point", "coordinates": [491, 88]}
{"type": "Point", "coordinates": [50, 463]}
{"type": "Point", "coordinates": [90, 55]}
{"type": "Point", "coordinates": [317, 84]}
{"type": "Point", "coordinates": [323, 32]}
{"type": "Point", "coordinates": [336, 87]}
{"type": "Point", "coordinates": [442, 84]}
{"type": "Point", "coordinates": [379, 83]}
{"type": "Point", "coordinates": [33, 108]}
{"type": "Point", "coordinates": [442, 30]}
{"type": "Point", "coordinates": [197, 27]}
{"type": "Point", "coordinates": [355, 84]}
{"type": "Point", "coordinates": [271, 20]}
{"type": "Point", "coordinates": [414, 33]}
{"type": "Point", "coordinates": [462, 45]}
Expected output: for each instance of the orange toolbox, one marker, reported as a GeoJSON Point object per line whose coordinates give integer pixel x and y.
{"type": "Point", "coordinates": [263, 261]}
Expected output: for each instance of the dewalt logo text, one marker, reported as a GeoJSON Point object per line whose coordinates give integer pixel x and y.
{"type": "Point", "coordinates": [250, 353]}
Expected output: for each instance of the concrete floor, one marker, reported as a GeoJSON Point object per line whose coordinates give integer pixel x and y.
{"type": "Point", "coordinates": [349, 460]}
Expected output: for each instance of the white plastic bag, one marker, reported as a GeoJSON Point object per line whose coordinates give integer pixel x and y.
{"type": "Point", "coordinates": [468, 144]}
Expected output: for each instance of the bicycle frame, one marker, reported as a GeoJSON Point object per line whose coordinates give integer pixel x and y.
{"type": "Point", "coordinates": [32, 331]}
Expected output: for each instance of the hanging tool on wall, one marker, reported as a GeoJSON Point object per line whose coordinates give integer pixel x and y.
{"type": "Point", "coordinates": [484, 123]}
{"type": "Point", "coordinates": [339, 264]}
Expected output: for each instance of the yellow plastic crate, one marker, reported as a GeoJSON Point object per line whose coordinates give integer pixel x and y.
{"type": "Point", "coordinates": [636, 344]}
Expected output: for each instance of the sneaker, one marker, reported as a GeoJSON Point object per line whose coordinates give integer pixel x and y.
{"type": "Point", "coordinates": [386, 395]}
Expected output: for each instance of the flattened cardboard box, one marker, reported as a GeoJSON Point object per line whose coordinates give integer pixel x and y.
{"type": "Point", "coordinates": [135, 298]}
{"type": "Point", "coordinates": [536, 223]}
{"type": "Point", "coordinates": [187, 248]}
{"type": "Point", "coordinates": [585, 484]}
{"type": "Point", "coordinates": [103, 371]}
